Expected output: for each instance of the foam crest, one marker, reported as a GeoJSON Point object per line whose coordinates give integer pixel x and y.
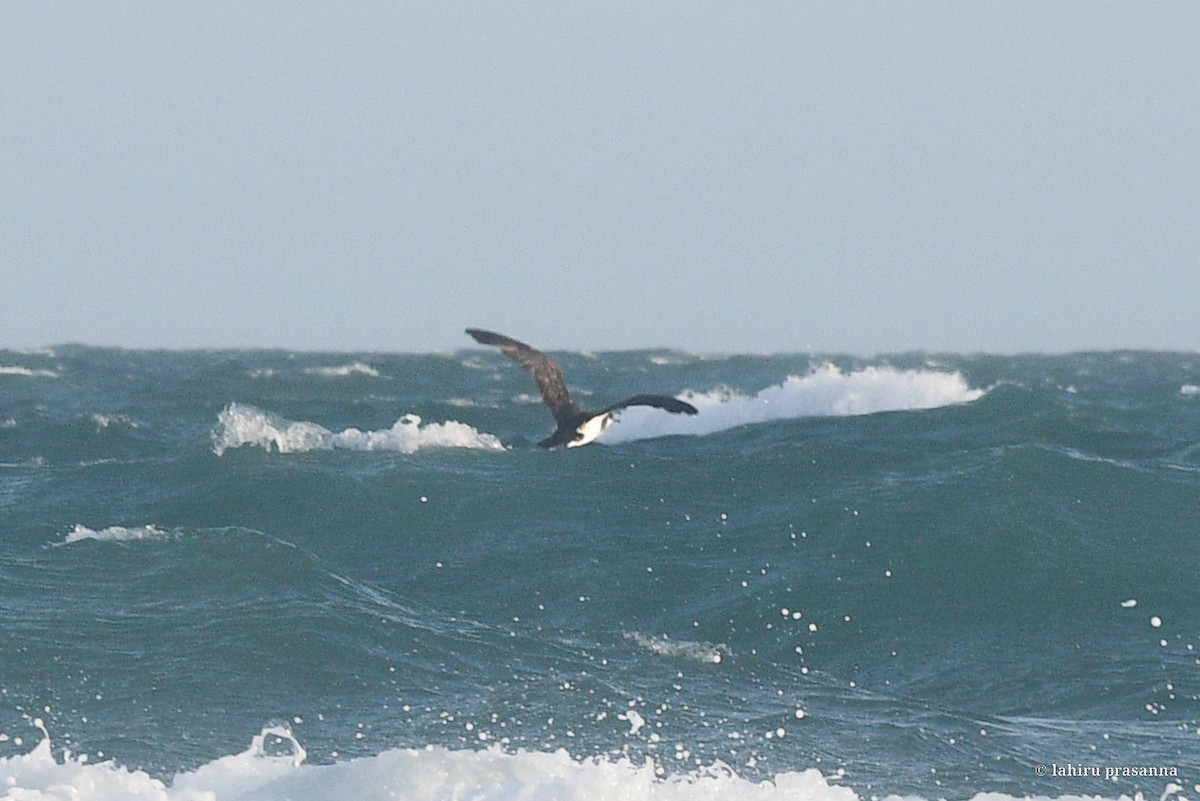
{"type": "Point", "coordinates": [344, 370]}
{"type": "Point", "coordinates": [26, 371]}
{"type": "Point", "coordinates": [104, 421]}
{"type": "Point", "coordinates": [37, 776]}
{"type": "Point", "coordinates": [333, 371]}
{"type": "Point", "coordinates": [273, 768]}
{"type": "Point", "coordinates": [240, 424]}
{"type": "Point", "coordinates": [430, 773]}
{"type": "Point", "coordinates": [827, 391]}
{"type": "Point", "coordinates": [706, 652]}
{"type": "Point", "coordinates": [114, 534]}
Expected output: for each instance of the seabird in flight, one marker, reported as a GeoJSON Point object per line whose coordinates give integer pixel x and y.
{"type": "Point", "coordinates": [575, 426]}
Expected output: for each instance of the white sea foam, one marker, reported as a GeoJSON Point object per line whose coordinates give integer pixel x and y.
{"type": "Point", "coordinates": [240, 424]}
{"type": "Point", "coordinates": [26, 371]}
{"type": "Point", "coordinates": [1189, 390]}
{"type": "Point", "coordinates": [115, 533]}
{"type": "Point", "coordinates": [274, 768]}
{"type": "Point", "coordinates": [333, 371]}
{"type": "Point", "coordinates": [664, 646]}
{"type": "Point", "coordinates": [527, 398]}
{"type": "Point", "coordinates": [343, 370]}
{"type": "Point", "coordinates": [108, 420]}
{"type": "Point", "coordinates": [827, 391]}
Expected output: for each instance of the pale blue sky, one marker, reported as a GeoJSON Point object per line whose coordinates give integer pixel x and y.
{"type": "Point", "coordinates": [861, 177]}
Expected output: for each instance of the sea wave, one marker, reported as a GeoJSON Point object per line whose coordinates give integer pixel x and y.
{"type": "Point", "coordinates": [331, 371]}
{"type": "Point", "coordinates": [827, 391]}
{"type": "Point", "coordinates": [707, 652]}
{"type": "Point", "coordinates": [241, 424]}
{"type": "Point", "coordinates": [274, 767]}
{"type": "Point", "coordinates": [115, 533]}
{"type": "Point", "coordinates": [343, 370]}
{"type": "Point", "coordinates": [104, 421]}
{"type": "Point", "coordinates": [26, 371]}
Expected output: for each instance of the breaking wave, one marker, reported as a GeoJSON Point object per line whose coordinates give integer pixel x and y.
{"type": "Point", "coordinates": [827, 391]}
{"type": "Point", "coordinates": [27, 371]}
{"type": "Point", "coordinates": [343, 370]}
{"type": "Point", "coordinates": [706, 652]}
{"type": "Point", "coordinates": [115, 533]}
{"type": "Point", "coordinates": [334, 371]}
{"type": "Point", "coordinates": [274, 767]}
{"type": "Point", "coordinates": [241, 424]}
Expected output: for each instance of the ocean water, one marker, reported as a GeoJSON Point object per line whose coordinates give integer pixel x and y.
{"type": "Point", "coordinates": [270, 575]}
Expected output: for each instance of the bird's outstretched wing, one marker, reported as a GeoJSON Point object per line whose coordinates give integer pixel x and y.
{"type": "Point", "coordinates": [673, 405]}
{"type": "Point", "coordinates": [546, 373]}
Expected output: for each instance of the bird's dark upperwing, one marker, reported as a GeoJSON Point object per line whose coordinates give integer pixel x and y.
{"type": "Point", "coordinates": [546, 373]}
{"type": "Point", "coordinates": [673, 405]}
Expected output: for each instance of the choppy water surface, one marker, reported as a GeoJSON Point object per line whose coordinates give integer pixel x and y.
{"type": "Point", "coordinates": [278, 575]}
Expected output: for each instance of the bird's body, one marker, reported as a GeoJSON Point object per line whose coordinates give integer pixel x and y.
{"type": "Point", "coordinates": [575, 427]}
{"type": "Point", "coordinates": [590, 429]}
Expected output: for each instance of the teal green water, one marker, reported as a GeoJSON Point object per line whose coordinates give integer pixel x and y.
{"type": "Point", "coordinates": [918, 574]}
